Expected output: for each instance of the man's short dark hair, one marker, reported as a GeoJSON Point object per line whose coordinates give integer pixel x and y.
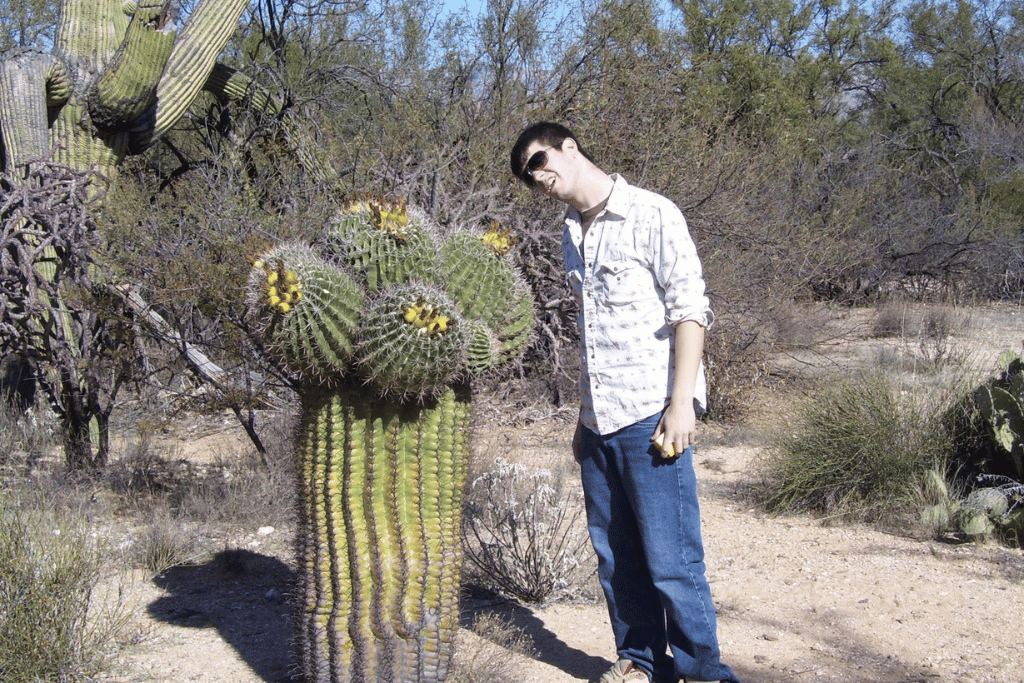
{"type": "Point", "coordinates": [546, 133]}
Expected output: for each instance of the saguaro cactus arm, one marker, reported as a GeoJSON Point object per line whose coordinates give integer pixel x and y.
{"type": "Point", "coordinates": [231, 85]}
{"type": "Point", "coordinates": [30, 81]}
{"type": "Point", "coordinates": [191, 61]}
{"type": "Point", "coordinates": [127, 87]}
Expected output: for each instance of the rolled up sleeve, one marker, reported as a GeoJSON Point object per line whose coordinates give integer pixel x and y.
{"type": "Point", "coordinates": [678, 269]}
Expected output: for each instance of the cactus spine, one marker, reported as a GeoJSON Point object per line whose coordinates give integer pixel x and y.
{"type": "Point", "coordinates": [382, 349]}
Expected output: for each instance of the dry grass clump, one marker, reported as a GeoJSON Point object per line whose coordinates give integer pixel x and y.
{"type": "Point", "coordinates": [858, 448]}
{"type": "Point", "coordinates": [900, 318]}
{"type": "Point", "coordinates": [492, 654]}
{"type": "Point", "coordinates": [25, 436]}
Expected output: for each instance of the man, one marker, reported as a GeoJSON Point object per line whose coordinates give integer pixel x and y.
{"type": "Point", "coordinates": [642, 313]}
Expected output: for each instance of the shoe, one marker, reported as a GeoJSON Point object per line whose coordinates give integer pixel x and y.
{"type": "Point", "coordinates": [624, 671]}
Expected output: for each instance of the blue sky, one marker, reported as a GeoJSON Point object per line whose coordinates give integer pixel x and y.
{"type": "Point", "coordinates": [475, 6]}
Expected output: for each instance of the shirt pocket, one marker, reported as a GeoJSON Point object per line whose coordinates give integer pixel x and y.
{"type": "Point", "coordinates": [620, 283]}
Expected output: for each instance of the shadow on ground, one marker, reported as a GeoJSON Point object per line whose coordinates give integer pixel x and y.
{"type": "Point", "coordinates": [546, 645]}
{"type": "Point", "coordinates": [242, 594]}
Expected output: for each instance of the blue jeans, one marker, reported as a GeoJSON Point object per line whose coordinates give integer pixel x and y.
{"type": "Point", "coordinates": [644, 522]}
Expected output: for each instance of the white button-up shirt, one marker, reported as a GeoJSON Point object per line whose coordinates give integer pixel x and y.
{"type": "Point", "coordinates": [635, 276]}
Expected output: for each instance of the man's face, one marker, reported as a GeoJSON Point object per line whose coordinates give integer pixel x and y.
{"type": "Point", "coordinates": [552, 169]}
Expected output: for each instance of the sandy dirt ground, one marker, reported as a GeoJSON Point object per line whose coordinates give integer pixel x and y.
{"type": "Point", "coordinates": [799, 599]}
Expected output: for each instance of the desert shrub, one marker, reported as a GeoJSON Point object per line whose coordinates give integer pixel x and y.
{"type": "Point", "coordinates": [49, 570]}
{"type": "Point", "coordinates": [180, 505]}
{"type": "Point", "coordinates": [230, 486]}
{"type": "Point", "coordinates": [164, 542]}
{"type": "Point", "coordinates": [735, 361]}
{"type": "Point", "coordinates": [892, 319]}
{"type": "Point", "coordinates": [927, 336]}
{"type": "Point", "coordinates": [858, 448]}
{"type": "Point", "coordinates": [937, 346]}
{"type": "Point", "coordinates": [244, 488]}
{"type": "Point", "coordinates": [524, 535]}
{"type": "Point", "coordinates": [135, 474]}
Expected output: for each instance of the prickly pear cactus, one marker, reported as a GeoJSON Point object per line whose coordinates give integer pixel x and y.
{"type": "Point", "coordinates": [1001, 403]}
{"type": "Point", "coordinates": [997, 506]}
{"type": "Point", "coordinates": [383, 323]}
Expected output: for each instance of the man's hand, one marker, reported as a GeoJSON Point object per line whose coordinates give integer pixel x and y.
{"type": "Point", "coordinates": [677, 429]}
{"type": "Point", "coordinates": [678, 426]}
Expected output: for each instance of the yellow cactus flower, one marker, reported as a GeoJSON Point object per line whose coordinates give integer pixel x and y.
{"type": "Point", "coordinates": [423, 316]}
{"type": "Point", "coordinates": [390, 218]}
{"type": "Point", "coordinates": [500, 239]}
{"type": "Point", "coordinates": [438, 324]}
{"type": "Point", "coordinates": [282, 287]}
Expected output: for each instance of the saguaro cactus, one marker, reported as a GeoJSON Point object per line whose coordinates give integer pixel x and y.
{"type": "Point", "coordinates": [383, 323]}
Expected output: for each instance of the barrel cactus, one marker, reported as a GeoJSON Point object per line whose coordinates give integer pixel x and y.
{"type": "Point", "coordinates": [383, 323]}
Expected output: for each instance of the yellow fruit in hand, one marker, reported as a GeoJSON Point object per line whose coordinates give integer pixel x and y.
{"type": "Point", "coordinates": [669, 452]}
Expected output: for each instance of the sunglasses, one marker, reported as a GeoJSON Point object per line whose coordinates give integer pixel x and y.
{"type": "Point", "coordinates": [536, 162]}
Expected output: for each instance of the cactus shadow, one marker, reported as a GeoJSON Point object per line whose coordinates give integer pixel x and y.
{"type": "Point", "coordinates": [546, 645]}
{"type": "Point", "coordinates": [243, 595]}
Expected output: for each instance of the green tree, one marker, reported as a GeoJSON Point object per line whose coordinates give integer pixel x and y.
{"type": "Point", "coordinates": [27, 23]}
